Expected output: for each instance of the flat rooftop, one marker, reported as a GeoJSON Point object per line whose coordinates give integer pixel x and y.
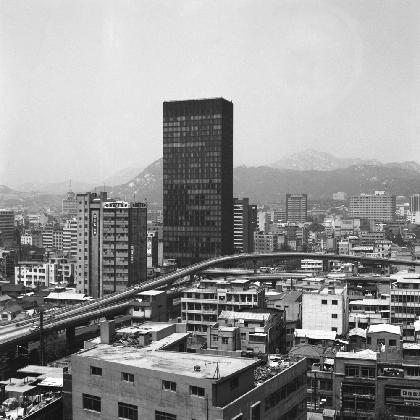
{"type": "Point", "coordinates": [315, 334]}
{"type": "Point", "coordinates": [151, 292]}
{"type": "Point", "coordinates": [169, 362]}
{"type": "Point", "coordinates": [145, 328]}
{"type": "Point", "coordinates": [361, 355]}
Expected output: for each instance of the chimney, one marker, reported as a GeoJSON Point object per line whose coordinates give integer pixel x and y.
{"type": "Point", "coordinates": [107, 331]}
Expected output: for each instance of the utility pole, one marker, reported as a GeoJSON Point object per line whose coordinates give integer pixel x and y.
{"type": "Point", "coordinates": [41, 334]}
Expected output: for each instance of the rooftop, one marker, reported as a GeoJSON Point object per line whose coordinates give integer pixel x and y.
{"type": "Point", "coordinates": [388, 328]}
{"type": "Point", "coordinates": [67, 296]}
{"type": "Point", "coordinates": [170, 362]}
{"type": "Point", "coordinates": [358, 332]}
{"type": "Point", "coordinates": [145, 328]}
{"type": "Point", "coordinates": [151, 292]}
{"type": "Point", "coordinates": [315, 334]}
{"type": "Point", "coordinates": [370, 302]}
{"type": "Point", "coordinates": [249, 316]}
{"type": "Point", "coordinates": [361, 355]}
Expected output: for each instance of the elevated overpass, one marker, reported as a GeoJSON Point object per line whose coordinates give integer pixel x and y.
{"type": "Point", "coordinates": [116, 303]}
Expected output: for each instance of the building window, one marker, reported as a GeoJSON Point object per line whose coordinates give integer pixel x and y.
{"type": "Point", "coordinates": [127, 411]}
{"type": "Point", "coordinates": [197, 391]}
{"type": "Point", "coordinates": [96, 371]}
{"type": "Point", "coordinates": [127, 377]}
{"type": "Point", "coordinates": [333, 315]}
{"type": "Point", "coordinates": [368, 372]}
{"type": "Point", "coordinates": [160, 415]}
{"type": "Point", "coordinates": [169, 386]}
{"type": "Point", "coordinates": [256, 411]}
{"type": "Point", "coordinates": [225, 340]}
{"type": "Point", "coordinates": [392, 342]}
{"type": "Point", "coordinates": [369, 340]}
{"type": "Point", "coordinates": [334, 302]}
{"type": "Point", "coordinates": [324, 301]}
{"type": "Point", "coordinates": [91, 402]}
{"type": "Point", "coordinates": [215, 337]}
{"type": "Point", "coordinates": [334, 329]}
{"type": "Point", "coordinates": [350, 370]}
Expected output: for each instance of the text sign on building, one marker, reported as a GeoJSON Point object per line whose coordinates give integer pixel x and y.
{"type": "Point", "coordinates": [116, 204]}
{"type": "Point", "coordinates": [411, 393]}
{"type": "Point", "coordinates": [94, 224]}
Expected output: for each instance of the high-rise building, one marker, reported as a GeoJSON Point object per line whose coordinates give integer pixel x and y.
{"type": "Point", "coordinates": [7, 228]}
{"type": "Point", "coordinates": [414, 203]}
{"type": "Point", "coordinates": [69, 204]}
{"type": "Point", "coordinates": [379, 206]}
{"type": "Point", "coordinates": [197, 179]}
{"type": "Point", "coordinates": [244, 225]}
{"type": "Point", "coordinates": [112, 251]}
{"type": "Point", "coordinates": [70, 237]}
{"type": "Point", "coordinates": [52, 238]}
{"type": "Point", "coordinates": [296, 208]}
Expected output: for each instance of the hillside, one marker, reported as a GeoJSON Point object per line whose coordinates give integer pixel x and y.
{"type": "Point", "coordinates": [265, 184]}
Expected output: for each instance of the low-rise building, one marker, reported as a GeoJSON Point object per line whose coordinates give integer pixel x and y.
{"type": "Point", "coordinates": [256, 332]}
{"type": "Point", "coordinates": [150, 305]}
{"type": "Point", "coordinates": [326, 310]}
{"type": "Point", "coordinates": [111, 382]}
{"type": "Point", "coordinates": [364, 312]}
{"type": "Point", "coordinates": [200, 306]}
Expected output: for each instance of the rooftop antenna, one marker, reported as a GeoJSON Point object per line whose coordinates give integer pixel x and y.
{"type": "Point", "coordinates": [70, 185]}
{"type": "Point", "coordinates": [216, 374]}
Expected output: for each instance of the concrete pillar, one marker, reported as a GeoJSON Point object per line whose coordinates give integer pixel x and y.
{"type": "Point", "coordinates": [70, 337]}
{"type": "Point", "coordinates": [255, 266]}
{"type": "Point", "coordinates": [107, 331]}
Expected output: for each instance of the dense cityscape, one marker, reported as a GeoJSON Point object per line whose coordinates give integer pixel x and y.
{"type": "Point", "coordinates": [209, 306]}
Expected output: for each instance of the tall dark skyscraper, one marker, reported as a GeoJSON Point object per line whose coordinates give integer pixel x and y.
{"type": "Point", "coordinates": [197, 179]}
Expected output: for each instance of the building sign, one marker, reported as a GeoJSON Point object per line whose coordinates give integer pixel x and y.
{"type": "Point", "coordinates": [94, 224]}
{"type": "Point", "coordinates": [411, 393]}
{"type": "Point", "coordinates": [116, 204]}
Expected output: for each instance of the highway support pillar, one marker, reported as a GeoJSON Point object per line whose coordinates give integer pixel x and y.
{"type": "Point", "coordinates": [70, 337]}
{"type": "Point", "coordinates": [255, 264]}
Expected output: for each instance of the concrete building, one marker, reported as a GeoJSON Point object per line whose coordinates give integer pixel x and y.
{"type": "Point", "coordinates": [253, 332]}
{"type": "Point", "coordinates": [312, 266]}
{"type": "Point", "coordinates": [44, 274]}
{"type": "Point", "coordinates": [70, 238]}
{"type": "Point", "coordinates": [326, 310]}
{"type": "Point", "coordinates": [405, 301]}
{"type": "Point", "coordinates": [415, 203]}
{"type": "Point", "coordinates": [150, 305]}
{"type": "Point", "coordinates": [365, 312]}
{"type": "Point", "coordinates": [69, 205]}
{"type": "Point", "coordinates": [197, 179]}
{"type": "Point", "coordinates": [52, 238]}
{"type": "Point", "coordinates": [201, 306]}
{"type": "Point", "coordinates": [265, 242]}
{"type": "Point", "coordinates": [7, 228]}
{"type": "Point", "coordinates": [112, 244]}
{"type": "Point", "coordinates": [379, 206]}
{"type": "Point", "coordinates": [340, 196]}
{"type": "Point", "coordinates": [385, 384]}
{"type": "Point", "coordinates": [111, 382]}
{"type": "Point", "coordinates": [296, 208]}
{"type": "Point", "coordinates": [244, 225]}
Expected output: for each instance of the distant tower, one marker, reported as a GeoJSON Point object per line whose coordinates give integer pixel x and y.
{"type": "Point", "coordinates": [197, 179]}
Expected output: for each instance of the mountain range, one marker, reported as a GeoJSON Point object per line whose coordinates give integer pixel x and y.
{"type": "Point", "coordinates": [319, 174]}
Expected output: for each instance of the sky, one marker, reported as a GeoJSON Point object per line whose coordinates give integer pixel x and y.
{"type": "Point", "coordinates": [82, 82]}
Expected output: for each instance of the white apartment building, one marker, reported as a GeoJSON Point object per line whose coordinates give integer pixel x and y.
{"type": "Point", "coordinates": [70, 238]}
{"type": "Point", "coordinates": [311, 266]}
{"type": "Point", "coordinates": [42, 274]}
{"type": "Point", "coordinates": [326, 310]}
{"type": "Point", "coordinates": [200, 306]}
{"type": "Point", "coordinates": [26, 239]}
{"type": "Point", "coordinates": [364, 312]}
{"type": "Point", "coordinates": [405, 301]}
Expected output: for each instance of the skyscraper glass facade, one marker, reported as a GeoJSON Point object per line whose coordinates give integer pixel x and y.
{"type": "Point", "coordinates": [197, 179]}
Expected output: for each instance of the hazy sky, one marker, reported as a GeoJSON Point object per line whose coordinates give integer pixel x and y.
{"type": "Point", "coordinates": [82, 81]}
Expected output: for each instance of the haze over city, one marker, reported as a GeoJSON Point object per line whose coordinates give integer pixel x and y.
{"type": "Point", "coordinates": [82, 84]}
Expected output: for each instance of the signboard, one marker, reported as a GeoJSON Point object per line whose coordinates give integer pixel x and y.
{"type": "Point", "coordinates": [411, 393]}
{"type": "Point", "coordinates": [94, 224]}
{"type": "Point", "coordinates": [116, 204]}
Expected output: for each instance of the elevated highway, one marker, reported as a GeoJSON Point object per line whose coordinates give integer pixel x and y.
{"type": "Point", "coordinates": [116, 303]}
